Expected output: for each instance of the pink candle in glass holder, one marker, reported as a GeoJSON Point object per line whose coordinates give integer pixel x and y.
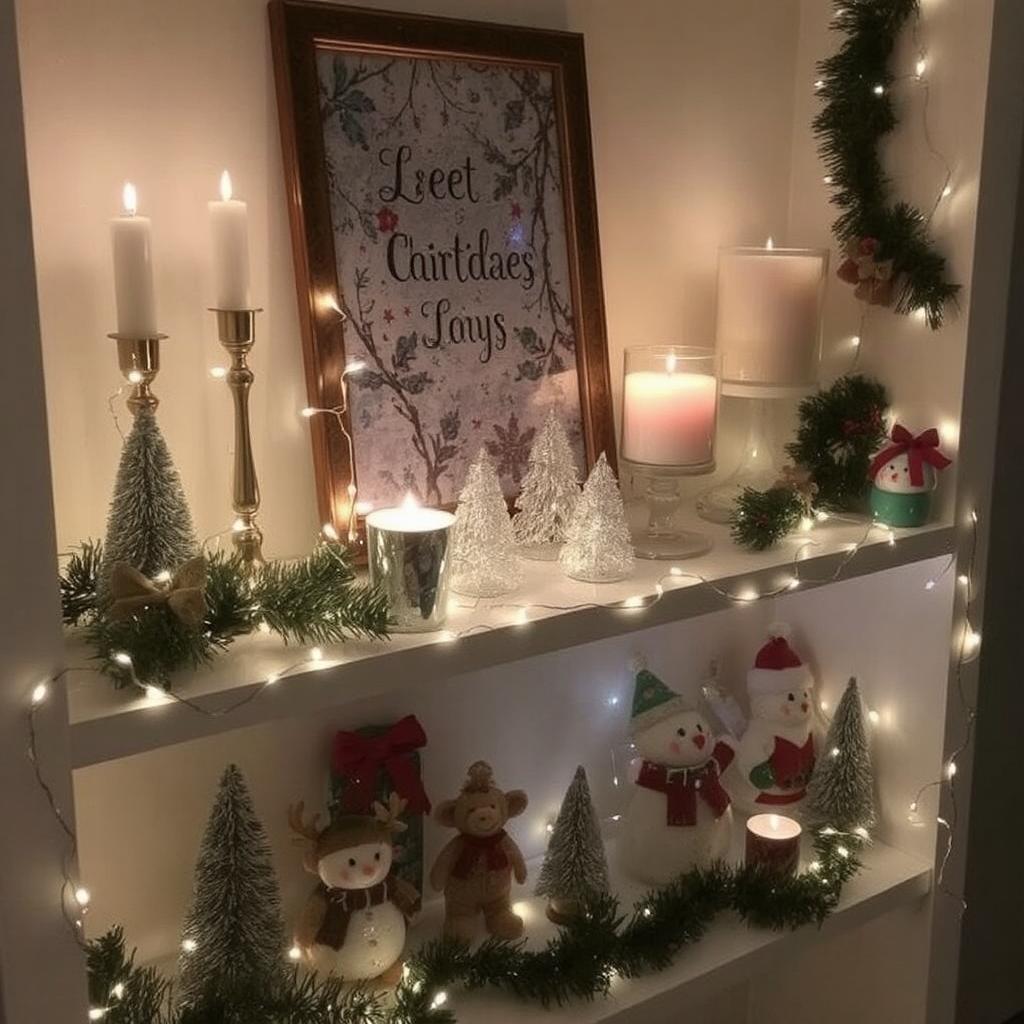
{"type": "Point", "coordinates": [669, 416]}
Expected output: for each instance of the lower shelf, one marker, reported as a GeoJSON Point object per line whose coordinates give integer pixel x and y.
{"type": "Point", "coordinates": [728, 954]}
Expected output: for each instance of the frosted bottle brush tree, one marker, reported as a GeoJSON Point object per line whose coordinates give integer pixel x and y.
{"type": "Point", "coordinates": [551, 490]}
{"type": "Point", "coordinates": [149, 525]}
{"type": "Point", "coordinates": [598, 547]}
{"type": "Point", "coordinates": [575, 870]}
{"type": "Point", "coordinates": [841, 793]}
{"type": "Point", "coordinates": [233, 937]}
{"type": "Point", "coordinates": [484, 557]}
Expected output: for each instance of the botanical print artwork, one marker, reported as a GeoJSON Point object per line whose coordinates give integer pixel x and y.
{"type": "Point", "coordinates": [446, 196]}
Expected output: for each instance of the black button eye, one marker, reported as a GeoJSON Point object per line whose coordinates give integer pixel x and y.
{"type": "Point", "coordinates": [700, 728]}
{"type": "Point", "coordinates": [351, 862]}
{"type": "Point", "coordinates": [680, 732]}
{"type": "Point", "coordinates": [790, 697]}
{"type": "Point", "coordinates": [376, 856]}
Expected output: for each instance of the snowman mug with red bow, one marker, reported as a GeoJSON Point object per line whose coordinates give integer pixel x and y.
{"type": "Point", "coordinates": [904, 475]}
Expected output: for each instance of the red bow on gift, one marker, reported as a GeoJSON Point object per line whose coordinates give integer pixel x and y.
{"type": "Point", "coordinates": [359, 759]}
{"type": "Point", "coordinates": [921, 449]}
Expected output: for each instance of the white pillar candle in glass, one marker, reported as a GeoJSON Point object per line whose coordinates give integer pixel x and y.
{"type": "Point", "coordinates": [131, 238]}
{"type": "Point", "coordinates": [669, 408]}
{"type": "Point", "coordinates": [769, 317]}
{"type": "Point", "coordinates": [229, 231]}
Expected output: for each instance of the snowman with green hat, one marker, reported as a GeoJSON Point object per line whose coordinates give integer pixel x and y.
{"type": "Point", "coordinates": [679, 816]}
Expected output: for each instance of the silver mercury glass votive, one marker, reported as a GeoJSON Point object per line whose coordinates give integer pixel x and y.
{"type": "Point", "coordinates": [409, 551]}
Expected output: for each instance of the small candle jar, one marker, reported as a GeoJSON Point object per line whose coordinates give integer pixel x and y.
{"type": "Point", "coordinates": [669, 421]}
{"type": "Point", "coordinates": [409, 549]}
{"type": "Point", "coordinates": [773, 842]}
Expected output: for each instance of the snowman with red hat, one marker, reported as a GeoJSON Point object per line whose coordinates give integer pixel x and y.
{"type": "Point", "coordinates": [775, 755]}
{"type": "Point", "coordinates": [679, 816]}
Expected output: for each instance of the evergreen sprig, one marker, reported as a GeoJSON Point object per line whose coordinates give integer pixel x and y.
{"type": "Point", "coordinates": [762, 518]}
{"type": "Point", "coordinates": [579, 963]}
{"type": "Point", "coordinates": [850, 127]}
{"type": "Point", "coordinates": [840, 429]}
{"type": "Point", "coordinates": [313, 600]}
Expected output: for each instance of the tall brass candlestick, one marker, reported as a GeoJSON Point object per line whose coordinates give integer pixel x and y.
{"type": "Point", "coordinates": [139, 361]}
{"type": "Point", "coordinates": [237, 331]}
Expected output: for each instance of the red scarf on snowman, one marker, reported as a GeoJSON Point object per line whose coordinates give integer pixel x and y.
{"type": "Point", "coordinates": [682, 786]}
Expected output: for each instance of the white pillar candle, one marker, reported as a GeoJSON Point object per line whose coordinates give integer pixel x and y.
{"type": "Point", "coordinates": [668, 418]}
{"type": "Point", "coordinates": [769, 316]}
{"type": "Point", "coordinates": [773, 842]}
{"type": "Point", "coordinates": [133, 270]}
{"type": "Point", "coordinates": [229, 231]}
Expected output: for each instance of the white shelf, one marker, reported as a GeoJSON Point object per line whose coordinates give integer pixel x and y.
{"type": "Point", "coordinates": [729, 953]}
{"type": "Point", "coordinates": [107, 724]}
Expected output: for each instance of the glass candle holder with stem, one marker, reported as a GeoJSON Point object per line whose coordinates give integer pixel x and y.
{"type": "Point", "coordinates": [669, 421]}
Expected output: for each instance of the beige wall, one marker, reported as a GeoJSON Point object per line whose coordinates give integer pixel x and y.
{"type": "Point", "coordinates": [691, 133]}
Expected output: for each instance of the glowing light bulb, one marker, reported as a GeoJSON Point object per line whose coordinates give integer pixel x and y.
{"type": "Point", "coordinates": [647, 912]}
{"type": "Point", "coordinates": [815, 866]}
{"type": "Point", "coordinates": [843, 852]}
{"type": "Point", "coordinates": [129, 199]}
{"type": "Point", "coordinates": [972, 640]}
{"type": "Point", "coordinates": [827, 179]}
{"type": "Point", "coordinates": [163, 576]}
{"type": "Point", "coordinates": [930, 585]}
{"type": "Point", "coordinates": [329, 531]}
{"type": "Point", "coordinates": [309, 412]}
{"type": "Point", "coordinates": [272, 678]}
{"type": "Point", "coordinates": [823, 705]}
{"type": "Point", "coordinates": [921, 67]}
{"type": "Point", "coordinates": [874, 717]}
{"type": "Point", "coordinates": [549, 827]}
{"type": "Point", "coordinates": [356, 366]}
{"type": "Point", "coordinates": [82, 896]}
{"type": "Point", "coordinates": [97, 1013]}
{"type": "Point", "coordinates": [118, 990]}
{"type": "Point", "coordinates": [218, 372]}
{"type": "Point", "coordinates": [947, 191]}
{"type": "Point", "coordinates": [834, 752]}
{"type": "Point", "coordinates": [793, 583]}
{"type": "Point", "coordinates": [122, 658]}
{"type": "Point", "coordinates": [964, 580]}
{"type": "Point", "coordinates": [39, 694]}
{"type": "Point", "coordinates": [612, 701]}
{"type": "Point", "coordinates": [439, 1000]}
{"type": "Point", "coordinates": [819, 85]}
{"type": "Point", "coordinates": [951, 769]}
{"type": "Point", "coordinates": [134, 377]}
{"type": "Point", "coordinates": [879, 90]}
{"type": "Point", "coordinates": [188, 945]}
{"type": "Point", "coordinates": [294, 953]}
{"type": "Point", "coordinates": [855, 341]}
{"type": "Point", "coordinates": [315, 654]}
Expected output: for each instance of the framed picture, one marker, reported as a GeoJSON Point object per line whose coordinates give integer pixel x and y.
{"type": "Point", "coordinates": [445, 240]}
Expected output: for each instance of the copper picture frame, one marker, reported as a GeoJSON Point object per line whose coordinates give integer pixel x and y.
{"type": "Point", "coordinates": [347, 79]}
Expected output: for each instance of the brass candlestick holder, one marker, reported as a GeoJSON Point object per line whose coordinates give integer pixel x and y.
{"type": "Point", "coordinates": [139, 362]}
{"type": "Point", "coordinates": [237, 331]}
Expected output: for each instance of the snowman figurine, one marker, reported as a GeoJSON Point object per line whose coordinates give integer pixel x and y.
{"type": "Point", "coordinates": [904, 475]}
{"type": "Point", "coordinates": [353, 925]}
{"type": "Point", "coordinates": [775, 755]}
{"type": "Point", "coordinates": [679, 816]}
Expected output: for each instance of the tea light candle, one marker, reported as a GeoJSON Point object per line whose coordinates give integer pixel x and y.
{"type": "Point", "coordinates": [409, 560]}
{"type": "Point", "coordinates": [668, 418]}
{"type": "Point", "coordinates": [773, 841]}
{"type": "Point", "coordinates": [769, 317]}
{"type": "Point", "coordinates": [131, 238]}
{"type": "Point", "coordinates": [229, 231]}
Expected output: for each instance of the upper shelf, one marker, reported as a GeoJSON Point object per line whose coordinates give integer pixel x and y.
{"type": "Point", "coordinates": [548, 613]}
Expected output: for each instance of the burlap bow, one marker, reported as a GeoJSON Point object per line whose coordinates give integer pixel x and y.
{"type": "Point", "coordinates": [184, 593]}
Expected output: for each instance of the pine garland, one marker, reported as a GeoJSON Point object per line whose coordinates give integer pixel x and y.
{"type": "Point", "coordinates": [314, 600]}
{"type": "Point", "coordinates": [856, 84]}
{"type": "Point", "coordinates": [579, 963]}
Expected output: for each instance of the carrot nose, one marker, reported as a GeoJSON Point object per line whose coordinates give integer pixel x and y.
{"type": "Point", "coordinates": [368, 870]}
{"type": "Point", "coordinates": [699, 741]}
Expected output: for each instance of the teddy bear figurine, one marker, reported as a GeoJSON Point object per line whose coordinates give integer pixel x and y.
{"type": "Point", "coordinates": [476, 868]}
{"type": "Point", "coordinates": [353, 924]}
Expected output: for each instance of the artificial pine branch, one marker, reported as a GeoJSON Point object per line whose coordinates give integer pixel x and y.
{"type": "Point", "coordinates": [850, 128]}
{"type": "Point", "coordinates": [79, 582]}
{"type": "Point", "coordinates": [761, 519]}
{"type": "Point", "coordinates": [840, 429]}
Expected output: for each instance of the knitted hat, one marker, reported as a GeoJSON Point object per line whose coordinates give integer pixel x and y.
{"type": "Point", "coordinates": [777, 667]}
{"type": "Point", "coordinates": [653, 702]}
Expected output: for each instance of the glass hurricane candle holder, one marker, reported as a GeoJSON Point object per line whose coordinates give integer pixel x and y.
{"type": "Point", "coordinates": [669, 422]}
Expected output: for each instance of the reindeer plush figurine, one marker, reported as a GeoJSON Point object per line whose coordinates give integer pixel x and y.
{"type": "Point", "coordinates": [353, 924]}
{"type": "Point", "coordinates": [475, 869]}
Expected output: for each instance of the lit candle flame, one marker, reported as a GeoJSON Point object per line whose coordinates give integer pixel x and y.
{"type": "Point", "coordinates": [129, 199]}
{"type": "Point", "coordinates": [409, 501]}
{"type": "Point", "coordinates": [225, 186]}
{"type": "Point", "coordinates": [770, 244]}
{"type": "Point", "coordinates": [670, 362]}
